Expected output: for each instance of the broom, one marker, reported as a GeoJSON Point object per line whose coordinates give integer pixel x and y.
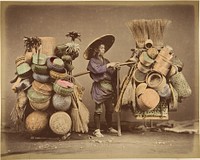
{"type": "Point", "coordinates": [156, 28]}
{"type": "Point", "coordinates": [82, 109]}
{"type": "Point", "coordinates": [139, 31]}
{"type": "Point", "coordinates": [76, 121]}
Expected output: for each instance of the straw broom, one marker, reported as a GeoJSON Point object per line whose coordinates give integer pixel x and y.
{"type": "Point", "coordinates": [156, 28]}
{"type": "Point", "coordinates": [76, 121]}
{"type": "Point", "coordinates": [139, 31]}
{"type": "Point", "coordinates": [82, 109]}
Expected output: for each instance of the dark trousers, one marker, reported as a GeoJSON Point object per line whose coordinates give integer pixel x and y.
{"type": "Point", "coordinates": [109, 108]}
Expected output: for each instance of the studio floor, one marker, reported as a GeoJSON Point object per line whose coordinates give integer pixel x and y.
{"type": "Point", "coordinates": [132, 144]}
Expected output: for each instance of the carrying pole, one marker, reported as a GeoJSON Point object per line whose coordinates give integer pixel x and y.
{"type": "Point", "coordinates": [118, 113]}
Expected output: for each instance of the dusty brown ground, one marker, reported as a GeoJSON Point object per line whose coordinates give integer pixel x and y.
{"type": "Point", "coordinates": [132, 144]}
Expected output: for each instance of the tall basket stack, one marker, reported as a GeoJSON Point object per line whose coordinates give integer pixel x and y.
{"type": "Point", "coordinates": [45, 87]}
{"type": "Point", "coordinates": [155, 78]}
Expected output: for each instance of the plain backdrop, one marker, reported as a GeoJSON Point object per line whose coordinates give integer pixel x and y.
{"type": "Point", "coordinates": [94, 19]}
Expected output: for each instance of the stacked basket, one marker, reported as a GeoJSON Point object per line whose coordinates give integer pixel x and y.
{"type": "Point", "coordinates": [49, 89]}
{"type": "Point", "coordinates": [160, 84]}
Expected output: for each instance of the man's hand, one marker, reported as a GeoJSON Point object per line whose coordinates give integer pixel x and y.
{"type": "Point", "coordinates": [113, 65]}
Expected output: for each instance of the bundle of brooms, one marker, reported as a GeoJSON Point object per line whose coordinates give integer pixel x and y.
{"type": "Point", "coordinates": [148, 29]}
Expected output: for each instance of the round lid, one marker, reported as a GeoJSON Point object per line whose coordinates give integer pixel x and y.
{"type": "Point", "coordinates": [60, 123]}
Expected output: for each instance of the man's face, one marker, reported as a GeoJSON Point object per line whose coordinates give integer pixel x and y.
{"type": "Point", "coordinates": [101, 49]}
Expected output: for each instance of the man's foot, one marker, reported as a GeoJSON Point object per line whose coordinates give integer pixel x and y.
{"type": "Point", "coordinates": [112, 130]}
{"type": "Point", "coordinates": [97, 133]}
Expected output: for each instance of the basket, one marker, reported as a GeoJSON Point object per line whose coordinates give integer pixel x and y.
{"type": "Point", "coordinates": [60, 123]}
{"type": "Point", "coordinates": [156, 80]}
{"type": "Point", "coordinates": [148, 100]}
{"type": "Point", "coordinates": [61, 103]}
{"type": "Point", "coordinates": [180, 84]}
{"type": "Point", "coordinates": [36, 122]}
{"type": "Point", "coordinates": [41, 106]}
{"type": "Point", "coordinates": [44, 88]}
{"type": "Point", "coordinates": [36, 96]}
{"type": "Point", "coordinates": [48, 45]}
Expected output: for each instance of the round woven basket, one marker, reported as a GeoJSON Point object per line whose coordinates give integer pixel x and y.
{"type": "Point", "coordinates": [44, 88]}
{"type": "Point", "coordinates": [39, 106]}
{"type": "Point", "coordinates": [58, 75]}
{"type": "Point", "coordinates": [60, 123]}
{"type": "Point", "coordinates": [148, 100]}
{"type": "Point", "coordinates": [156, 80]}
{"type": "Point", "coordinates": [62, 90]}
{"type": "Point", "coordinates": [139, 76]}
{"type": "Point", "coordinates": [36, 96]}
{"type": "Point", "coordinates": [140, 89]}
{"type": "Point", "coordinates": [36, 122]}
{"type": "Point", "coordinates": [61, 103]}
{"type": "Point", "coordinates": [152, 52]}
{"type": "Point", "coordinates": [145, 59]}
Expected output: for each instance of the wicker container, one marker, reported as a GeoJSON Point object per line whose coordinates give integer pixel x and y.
{"type": "Point", "coordinates": [145, 59]}
{"type": "Point", "coordinates": [148, 43]}
{"type": "Point", "coordinates": [156, 81]}
{"type": "Point", "coordinates": [48, 45]}
{"type": "Point", "coordinates": [36, 122]}
{"type": "Point", "coordinates": [62, 90]}
{"type": "Point", "coordinates": [139, 76]}
{"type": "Point", "coordinates": [61, 103]}
{"type": "Point", "coordinates": [19, 60]}
{"type": "Point", "coordinates": [152, 53]}
{"type": "Point", "coordinates": [140, 89]}
{"type": "Point", "coordinates": [41, 106]}
{"type": "Point", "coordinates": [159, 67]}
{"type": "Point", "coordinates": [180, 84]}
{"type": "Point", "coordinates": [148, 100]}
{"type": "Point", "coordinates": [44, 88]}
{"type": "Point", "coordinates": [166, 52]}
{"type": "Point", "coordinates": [60, 123]}
{"type": "Point", "coordinates": [165, 92]}
{"type": "Point", "coordinates": [37, 96]}
{"type": "Point", "coordinates": [143, 68]}
{"type": "Point", "coordinates": [39, 59]}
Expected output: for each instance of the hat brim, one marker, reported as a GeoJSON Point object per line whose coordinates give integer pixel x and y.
{"type": "Point", "coordinates": [107, 40]}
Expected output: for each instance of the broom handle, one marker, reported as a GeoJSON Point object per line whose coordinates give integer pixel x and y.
{"type": "Point", "coordinates": [120, 64]}
{"type": "Point", "coordinates": [118, 113]}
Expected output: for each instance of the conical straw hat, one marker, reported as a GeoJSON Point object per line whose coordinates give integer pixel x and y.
{"type": "Point", "coordinates": [107, 40]}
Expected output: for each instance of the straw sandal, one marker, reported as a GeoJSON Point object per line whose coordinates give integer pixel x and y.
{"type": "Point", "coordinates": [97, 133]}
{"type": "Point", "coordinates": [112, 130]}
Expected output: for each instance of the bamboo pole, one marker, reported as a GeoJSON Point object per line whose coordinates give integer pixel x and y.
{"type": "Point", "coordinates": [118, 113]}
{"type": "Point", "coordinates": [87, 72]}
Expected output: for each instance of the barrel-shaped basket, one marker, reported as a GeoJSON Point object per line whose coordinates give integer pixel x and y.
{"type": "Point", "coordinates": [60, 123]}
{"type": "Point", "coordinates": [61, 103]}
{"type": "Point", "coordinates": [148, 100]}
{"type": "Point", "coordinates": [36, 122]}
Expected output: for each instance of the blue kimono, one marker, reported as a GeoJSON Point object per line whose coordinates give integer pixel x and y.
{"type": "Point", "coordinates": [102, 87]}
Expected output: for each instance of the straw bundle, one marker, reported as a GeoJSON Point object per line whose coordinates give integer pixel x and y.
{"type": "Point", "coordinates": [156, 28]}
{"type": "Point", "coordinates": [76, 121]}
{"type": "Point", "coordinates": [139, 31]}
{"type": "Point", "coordinates": [79, 113]}
{"type": "Point", "coordinates": [17, 113]}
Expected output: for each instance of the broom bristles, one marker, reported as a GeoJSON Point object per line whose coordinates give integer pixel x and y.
{"type": "Point", "coordinates": [156, 28]}
{"type": "Point", "coordinates": [139, 31]}
{"type": "Point", "coordinates": [148, 29]}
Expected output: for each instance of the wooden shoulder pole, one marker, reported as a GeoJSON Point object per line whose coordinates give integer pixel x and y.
{"type": "Point", "coordinates": [118, 113]}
